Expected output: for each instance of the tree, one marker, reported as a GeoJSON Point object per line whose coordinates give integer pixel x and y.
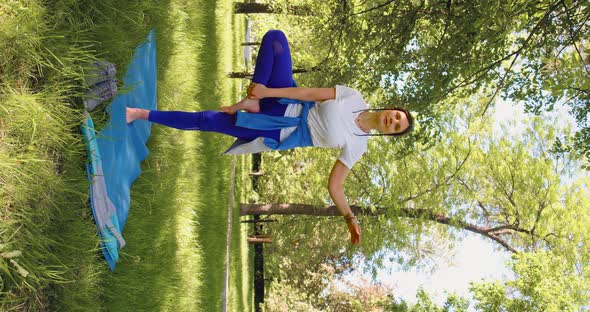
{"type": "Point", "coordinates": [445, 60]}
{"type": "Point", "coordinates": [326, 290]}
{"type": "Point", "coordinates": [545, 282]}
{"type": "Point", "coordinates": [424, 54]}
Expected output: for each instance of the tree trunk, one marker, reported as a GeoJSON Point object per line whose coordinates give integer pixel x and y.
{"type": "Point", "coordinates": [258, 270]}
{"type": "Point", "coordinates": [252, 8]}
{"type": "Point", "coordinates": [256, 161]}
{"type": "Point", "coordinates": [412, 213]}
{"type": "Point", "coordinates": [261, 8]}
{"type": "Point", "coordinates": [258, 277]}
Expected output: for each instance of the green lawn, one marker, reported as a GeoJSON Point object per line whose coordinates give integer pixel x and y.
{"type": "Point", "coordinates": [177, 226]}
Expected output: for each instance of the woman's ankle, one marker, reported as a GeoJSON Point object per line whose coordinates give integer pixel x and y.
{"type": "Point", "coordinates": [144, 114]}
{"type": "Point", "coordinates": [251, 106]}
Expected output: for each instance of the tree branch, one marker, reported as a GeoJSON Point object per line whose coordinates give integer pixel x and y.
{"type": "Point", "coordinates": [542, 207]}
{"type": "Point", "coordinates": [573, 34]}
{"type": "Point", "coordinates": [524, 46]}
{"type": "Point", "coordinates": [504, 229]}
{"type": "Point", "coordinates": [447, 22]}
{"type": "Point", "coordinates": [364, 190]}
{"type": "Point", "coordinates": [374, 8]}
{"type": "Point", "coordinates": [427, 214]}
{"type": "Point", "coordinates": [447, 179]}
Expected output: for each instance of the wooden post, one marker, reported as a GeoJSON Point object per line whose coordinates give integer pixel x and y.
{"type": "Point", "coordinates": [259, 240]}
{"type": "Point", "coordinates": [258, 221]}
{"type": "Point", "coordinates": [248, 75]}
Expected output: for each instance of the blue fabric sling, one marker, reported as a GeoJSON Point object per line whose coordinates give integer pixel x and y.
{"type": "Point", "coordinates": [301, 137]}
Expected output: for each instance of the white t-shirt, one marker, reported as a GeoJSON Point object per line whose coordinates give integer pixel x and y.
{"type": "Point", "coordinates": [331, 124]}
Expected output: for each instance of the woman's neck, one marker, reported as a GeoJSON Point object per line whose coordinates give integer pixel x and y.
{"type": "Point", "coordinates": [367, 121]}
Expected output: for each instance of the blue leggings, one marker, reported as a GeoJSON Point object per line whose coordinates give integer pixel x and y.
{"type": "Point", "coordinates": [273, 69]}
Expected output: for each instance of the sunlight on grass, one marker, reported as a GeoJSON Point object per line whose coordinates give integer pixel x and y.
{"type": "Point", "coordinates": [182, 60]}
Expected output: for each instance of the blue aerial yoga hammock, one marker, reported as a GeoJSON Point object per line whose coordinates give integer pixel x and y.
{"type": "Point", "coordinates": [117, 150]}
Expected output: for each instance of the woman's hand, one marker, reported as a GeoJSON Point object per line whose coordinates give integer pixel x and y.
{"type": "Point", "coordinates": [257, 91]}
{"type": "Point", "coordinates": [355, 231]}
{"type": "Point", "coordinates": [336, 190]}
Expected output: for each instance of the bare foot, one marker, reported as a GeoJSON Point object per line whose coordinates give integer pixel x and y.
{"type": "Point", "coordinates": [131, 114]}
{"type": "Point", "coordinates": [249, 105]}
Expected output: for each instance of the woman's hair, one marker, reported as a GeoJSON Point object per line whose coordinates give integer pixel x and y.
{"type": "Point", "coordinates": [408, 116]}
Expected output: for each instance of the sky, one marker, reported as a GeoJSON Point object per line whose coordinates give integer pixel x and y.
{"type": "Point", "coordinates": [474, 260]}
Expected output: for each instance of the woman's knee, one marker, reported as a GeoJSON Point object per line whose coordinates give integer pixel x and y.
{"type": "Point", "coordinates": [276, 38]}
{"type": "Point", "coordinates": [275, 34]}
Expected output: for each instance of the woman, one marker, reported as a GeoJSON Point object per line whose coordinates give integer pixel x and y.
{"type": "Point", "coordinates": [279, 115]}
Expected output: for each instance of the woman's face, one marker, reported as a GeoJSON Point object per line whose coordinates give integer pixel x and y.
{"type": "Point", "coordinates": [392, 121]}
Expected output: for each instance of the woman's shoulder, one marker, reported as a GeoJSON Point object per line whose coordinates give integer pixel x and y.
{"type": "Point", "coordinates": [346, 90]}
{"type": "Point", "coordinates": [344, 93]}
{"type": "Point", "coordinates": [353, 150]}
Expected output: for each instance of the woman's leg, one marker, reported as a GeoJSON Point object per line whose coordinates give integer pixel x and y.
{"type": "Point", "coordinates": [273, 69]}
{"type": "Point", "coordinates": [210, 121]}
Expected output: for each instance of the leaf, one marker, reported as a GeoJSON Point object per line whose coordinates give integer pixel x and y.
{"type": "Point", "coordinates": [11, 254]}
{"type": "Point", "coordinates": [19, 269]}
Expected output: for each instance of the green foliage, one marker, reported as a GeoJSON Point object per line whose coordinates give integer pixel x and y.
{"type": "Point", "coordinates": [325, 290]}
{"type": "Point", "coordinates": [452, 304]}
{"type": "Point", "coordinates": [448, 62]}
{"type": "Point", "coordinates": [282, 297]}
{"type": "Point", "coordinates": [424, 303]}
{"type": "Point", "coordinates": [422, 54]}
{"type": "Point", "coordinates": [544, 282]}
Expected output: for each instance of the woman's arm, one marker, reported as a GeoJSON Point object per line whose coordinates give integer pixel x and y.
{"type": "Point", "coordinates": [336, 190]}
{"type": "Point", "coordinates": [257, 91]}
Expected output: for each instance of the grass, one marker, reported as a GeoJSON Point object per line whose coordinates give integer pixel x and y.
{"type": "Point", "coordinates": [175, 253]}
